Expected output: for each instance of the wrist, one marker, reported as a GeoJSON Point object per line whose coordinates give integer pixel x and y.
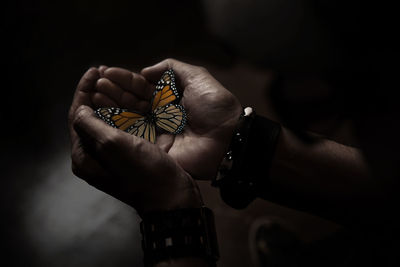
{"type": "Point", "coordinates": [182, 192]}
{"type": "Point", "coordinates": [186, 195]}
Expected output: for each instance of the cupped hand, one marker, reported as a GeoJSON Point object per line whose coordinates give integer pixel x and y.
{"type": "Point", "coordinates": [125, 166]}
{"type": "Point", "coordinates": [212, 111]}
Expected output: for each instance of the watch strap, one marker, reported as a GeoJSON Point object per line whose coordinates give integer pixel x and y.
{"type": "Point", "coordinates": [178, 234]}
{"type": "Point", "coordinates": [243, 175]}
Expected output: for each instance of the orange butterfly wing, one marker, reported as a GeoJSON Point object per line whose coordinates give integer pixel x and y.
{"type": "Point", "coordinates": [144, 129]}
{"type": "Point", "coordinates": [117, 117]}
{"type": "Point", "coordinates": [128, 121]}
{"type": "Point", "coordinates": [166, 91]}
{"type": "Point", "coordinates": [171, 118]}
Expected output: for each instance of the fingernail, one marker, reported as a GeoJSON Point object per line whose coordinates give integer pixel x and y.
{"type": "Point", "coordinates": [102, 69]}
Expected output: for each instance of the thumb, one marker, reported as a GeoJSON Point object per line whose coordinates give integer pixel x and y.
{"type": "Point", "coordinates": [96, 135]}
{"type": "Point", "coordinates": [118, 151]}
{"type": "Point", "coordinates": [110, 146]}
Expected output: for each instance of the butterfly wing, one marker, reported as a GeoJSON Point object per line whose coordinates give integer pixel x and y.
{"type": "Point", "coordinates": [167, 116]}
{"type": "Point", "coordinates": [130, 122]}
{"type": "Point", "coordinates": [166, 91]}
{"type": "Point", "coordinates": [171, 118]}
{"type": "Point", "coordinates": [144, 129]}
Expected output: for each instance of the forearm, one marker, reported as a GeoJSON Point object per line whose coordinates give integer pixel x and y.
{"type": "Point", "coordinates": [324, 177]}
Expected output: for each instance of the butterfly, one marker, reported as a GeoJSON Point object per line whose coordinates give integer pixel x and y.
{"type": "Point", "coordinates": [164, 114]}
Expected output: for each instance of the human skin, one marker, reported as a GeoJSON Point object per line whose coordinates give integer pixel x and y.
{"type": "Point", "coordinates": [325, 178]}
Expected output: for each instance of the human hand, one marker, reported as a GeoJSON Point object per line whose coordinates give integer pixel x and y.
{"type": "Point", "coordinates": [125, 166]}
{"type": "Point", "coordinates": [212, 111]}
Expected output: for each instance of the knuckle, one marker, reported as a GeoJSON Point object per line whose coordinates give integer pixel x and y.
{"type": "Point", "coordinates": [79, 116]}
{"type": "Point", "coordinates": [105, 144]}
{"type": "Point", "coordinates": [138, 144]}
{"type": "Point", "coordinates": [101, 83]}
{"type": "Point", "coordinates": [202, 69]}
{"type": "Point", "coordinates": [170, 60]}
{"type": "Point", "coordinates": [110, 141]}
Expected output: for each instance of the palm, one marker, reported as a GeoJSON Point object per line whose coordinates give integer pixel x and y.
{"type": "Point", "coordinates": [212, 115]}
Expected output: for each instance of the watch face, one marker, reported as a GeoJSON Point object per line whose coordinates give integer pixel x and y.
{"type": "Point", "coordinates": [247, 111]}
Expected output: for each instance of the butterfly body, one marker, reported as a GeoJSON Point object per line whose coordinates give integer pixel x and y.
{"type": "Point", "coordinates": [164, 114]}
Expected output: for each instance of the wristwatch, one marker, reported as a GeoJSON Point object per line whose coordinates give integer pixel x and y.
{"type": "Point", "coordinates": [178, 234]}
{"type": "Point", "coordinates": [244, 170]}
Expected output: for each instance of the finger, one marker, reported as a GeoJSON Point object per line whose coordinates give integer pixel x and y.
{"type": "Point", "coordinates": [165, 141]}
{"type": "Point", "coordinates": [102, 100]}
{"type": "Point", "coordinates": [91, 129]}
{"type": "Point", "coordinates": [183, 71]}
{"type": "Point", "coordinates": [102, 141]}
{"type": "Point", "coordinates": [107, 144]}
{"type": "Point", "coordinates": [124, 155]}
{"type": "Point", "coordinates": [102, 68]}
{"type": "Point", "coordinates": [82, 95]}
{"type": "Point", "coordinates": [121, 97]}
{"type": "Point", "coordinates": [84, 88]}
{"type": "Point", "coordinates": [131, 82]}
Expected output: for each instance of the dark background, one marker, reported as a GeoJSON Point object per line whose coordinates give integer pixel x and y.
{"type": "Point", "coordinates": [51, 218]}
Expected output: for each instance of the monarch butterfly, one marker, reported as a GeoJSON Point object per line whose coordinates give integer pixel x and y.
{"type": "Point", "coordinates": [163, 115]}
